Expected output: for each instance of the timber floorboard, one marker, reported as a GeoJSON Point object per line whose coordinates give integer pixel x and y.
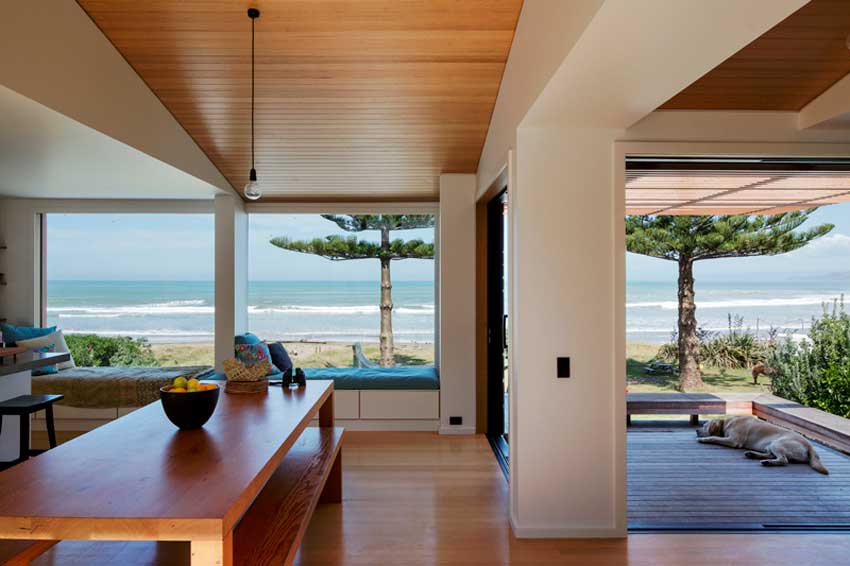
{"type": "Point", "coordinates": [676, 482]}
{"type": "Point", "coordinates": [424, 499]}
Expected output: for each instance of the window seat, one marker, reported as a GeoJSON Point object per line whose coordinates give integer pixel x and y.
{"type": "Point", "coordinates": [112, 387]}
{"type": "Point", "coordinates": [401, 378]}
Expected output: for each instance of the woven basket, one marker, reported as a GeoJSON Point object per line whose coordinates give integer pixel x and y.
{"type": "Point", "coordinates": [241, 379]}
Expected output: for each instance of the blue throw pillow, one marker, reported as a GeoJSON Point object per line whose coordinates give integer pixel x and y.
{"type": "Point", "coordinates": [247, 338]}
{"type": "Point", "coordinates": [11, 334]}
{"type": "Point", "coordinates": [280, 358]}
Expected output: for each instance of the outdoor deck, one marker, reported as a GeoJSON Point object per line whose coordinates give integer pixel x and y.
{"type": "Point", "coordinates": [676, 483]}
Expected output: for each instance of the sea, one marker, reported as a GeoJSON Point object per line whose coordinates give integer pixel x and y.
{"type": "Point", "coordinates": [184, 311]}
{"type": "Point", "coordinates": [347, 311]}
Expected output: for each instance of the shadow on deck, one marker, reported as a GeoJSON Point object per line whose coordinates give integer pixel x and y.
{"type": "Point", "coordinates": [676, 483]}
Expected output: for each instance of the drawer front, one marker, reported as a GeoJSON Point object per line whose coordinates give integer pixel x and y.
{"type": "Point", "coordinates": [399, 404]}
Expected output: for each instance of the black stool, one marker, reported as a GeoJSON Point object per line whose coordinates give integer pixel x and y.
{"type": "Point", "coordinates": [23, 406]}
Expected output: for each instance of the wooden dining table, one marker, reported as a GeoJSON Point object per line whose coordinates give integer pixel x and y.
{"type": "Point", "coordinates": [141, 478]}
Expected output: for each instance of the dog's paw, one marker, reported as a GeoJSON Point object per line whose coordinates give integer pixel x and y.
{"type": "Point", "coordinates": [702, 440]}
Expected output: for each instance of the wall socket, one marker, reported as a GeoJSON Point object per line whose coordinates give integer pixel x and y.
{"type": "Point", "coordinates": [564, 367]}
{"type": "Point", "coordinates": [455, 420]}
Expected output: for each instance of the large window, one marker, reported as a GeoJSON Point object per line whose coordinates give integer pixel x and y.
{"type": "Point", "coordinates": [318, 284]}
{"type": "Point", "coordinates": [141, 283]}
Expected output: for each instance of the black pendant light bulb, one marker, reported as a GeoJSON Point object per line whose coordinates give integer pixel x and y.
{"type": "Point", "coordinates": [252, 187]}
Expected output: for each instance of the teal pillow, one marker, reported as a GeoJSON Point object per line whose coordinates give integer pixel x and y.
{"type": "Point", "coordinates": [247, 338]}
{"type": "Point", "coordinates": [11, 334]}
{"type": "Point", "coordinates": [45, 370]}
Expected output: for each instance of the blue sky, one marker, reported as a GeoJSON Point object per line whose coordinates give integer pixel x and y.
{"type": "Point", "coordinates": [180, 247]}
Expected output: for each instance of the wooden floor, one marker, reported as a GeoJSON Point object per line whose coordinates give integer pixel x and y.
{"type": "Point", "coordinates": [676, 482]}
{"type": "Point", "coordinates": [422, 499]}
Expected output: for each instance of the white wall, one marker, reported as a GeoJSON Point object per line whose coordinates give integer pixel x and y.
{"type": "Point", "coordinates": [568, 473]}
{"type": "Point", "coordinates": [231, 275]}
{"type": "Point", "coordinates": [54, 54]}
{"type": "Point", "coordinates": [545, 33]}
{"type": "Point", "coordinates": [457, 302]}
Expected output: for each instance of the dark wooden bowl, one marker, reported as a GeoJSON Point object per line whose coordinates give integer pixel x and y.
{"type": "Point", "coordinates": [189, 410]}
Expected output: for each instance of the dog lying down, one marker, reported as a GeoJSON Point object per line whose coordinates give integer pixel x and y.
{"type": "Point", "coordinates": [773, 445]}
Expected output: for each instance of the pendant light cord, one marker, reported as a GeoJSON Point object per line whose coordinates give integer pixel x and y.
{"type": "Point", "coordinates": [252, 93]}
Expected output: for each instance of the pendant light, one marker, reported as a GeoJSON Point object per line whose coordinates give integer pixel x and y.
{"type": "Point", "coordinates": [252, 187]}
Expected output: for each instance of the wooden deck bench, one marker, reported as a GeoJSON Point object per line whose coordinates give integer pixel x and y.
{"type": "Point", "coordinates": [693, 404]}
{"type": "Point", "coordinates": [832, 430]}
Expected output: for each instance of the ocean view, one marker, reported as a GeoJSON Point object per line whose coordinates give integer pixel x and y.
{"type": "Point", "coordinates": [183, 311]}
{"type": "Point", "coordinates": [346, 311]}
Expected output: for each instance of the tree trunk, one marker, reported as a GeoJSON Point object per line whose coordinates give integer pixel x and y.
{"type": "Point", "coordinates": [387, 353]}
{"type": "Point", "coordinates": [690, 377]}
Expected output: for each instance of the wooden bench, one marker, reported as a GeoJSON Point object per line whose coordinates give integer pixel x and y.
{"type": "Point", "coordinates": [693, 404]}
{"type": "Point", "coordinates": [832, 430]}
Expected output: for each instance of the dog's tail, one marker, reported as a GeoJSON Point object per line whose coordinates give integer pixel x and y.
{"type": "Point", "coordinates": [815, 463]}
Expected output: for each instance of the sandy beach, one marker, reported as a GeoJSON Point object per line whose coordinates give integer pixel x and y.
{"type": "Point", "coordinates": [303, 354]}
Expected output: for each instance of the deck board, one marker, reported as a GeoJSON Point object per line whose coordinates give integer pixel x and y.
{"type": "Point", "coordinates": [676, 482]}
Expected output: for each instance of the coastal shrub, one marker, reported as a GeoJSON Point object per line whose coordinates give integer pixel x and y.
{"type": "Point", "coordinates": [816, 371]}
{"type": "Point", "coordinates": [740, 347]}
{"type": "Point", "coordinates": [90, 350]}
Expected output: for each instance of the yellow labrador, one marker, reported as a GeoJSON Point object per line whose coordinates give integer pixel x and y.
{"type": "Point", "coordinates": [773, 445]}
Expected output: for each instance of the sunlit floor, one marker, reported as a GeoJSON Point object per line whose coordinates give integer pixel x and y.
{"type": "Point", "coordinates": [424, 499]}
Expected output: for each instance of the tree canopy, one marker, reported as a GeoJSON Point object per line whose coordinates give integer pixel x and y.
{"type": "Point", "coordinates": [713, 237]}
{"type": "Point", "coordinates": [339, 248]}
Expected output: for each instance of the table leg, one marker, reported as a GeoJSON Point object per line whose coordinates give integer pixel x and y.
{"type": "Point", "coordinates": [332, 492]}
{"type": "Point", "coordinates": [326, 412]}
{"type": "Point", "coordinates": [212, 552]}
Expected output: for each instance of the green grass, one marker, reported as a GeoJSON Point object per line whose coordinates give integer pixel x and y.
{"type": "Point", "coordinates": [715, 379]}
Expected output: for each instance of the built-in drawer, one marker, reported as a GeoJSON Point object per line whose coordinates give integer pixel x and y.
{"type": "Point", "coordinates": [376, 404]}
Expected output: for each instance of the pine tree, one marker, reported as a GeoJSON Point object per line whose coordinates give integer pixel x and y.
{"type": "Point", "coordinates": [686, 239]}
{"type": "Point", "coordinates": [338, 248]}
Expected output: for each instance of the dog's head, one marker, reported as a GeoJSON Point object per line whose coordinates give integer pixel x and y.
{"type": "Point", "coordinates": [713, 427]}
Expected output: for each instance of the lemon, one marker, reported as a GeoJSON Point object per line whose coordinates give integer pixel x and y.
{"type": "Point", "coordinates": [193, 385]}
{"type": "Point", "coordinates": [180, 383]}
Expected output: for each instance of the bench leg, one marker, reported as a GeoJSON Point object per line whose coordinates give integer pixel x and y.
{"type": "Point", "coordinates": [51, 430]}
{"type": "Point", "coordinates": [695, 420]}
{"type": "Point", "coordinates": [628, 420]}
{"type": "Point", "coordinates": [332, 492]}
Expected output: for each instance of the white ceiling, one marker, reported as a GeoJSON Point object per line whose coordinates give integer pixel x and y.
{"type": "Point", "coordinates": [44, 154]}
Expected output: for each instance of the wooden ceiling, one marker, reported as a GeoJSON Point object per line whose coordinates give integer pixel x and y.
{"type": "Point", "coordinates": [354, 99]}
{"type": "Point", "coordinates": [748, 187]}
{"type": "Point", "coordinates": [784, 69]}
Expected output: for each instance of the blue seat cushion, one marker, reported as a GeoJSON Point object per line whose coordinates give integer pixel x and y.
{"type": "Point", "coordinates": [402, 377]}
{"type": "Point", "coordinates": [397, 378]}
{"type": "Point", "coordinates": [12, 334]}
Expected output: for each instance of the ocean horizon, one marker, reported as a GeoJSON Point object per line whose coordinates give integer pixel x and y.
{"type": "Point", "coordinates": [348, 311]}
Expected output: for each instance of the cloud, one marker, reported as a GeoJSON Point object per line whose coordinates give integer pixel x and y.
{"type": "Point", "coordinates": [831, 244]}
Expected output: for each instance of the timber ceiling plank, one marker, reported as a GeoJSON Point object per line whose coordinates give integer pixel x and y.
{"type": "Point", "coordinates": [784, 69]}
{"type": "Point", "coordinates": [373, 97]}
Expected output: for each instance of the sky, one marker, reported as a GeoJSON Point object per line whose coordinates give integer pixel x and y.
{"type": "Point", "coordinates": [180, 247]}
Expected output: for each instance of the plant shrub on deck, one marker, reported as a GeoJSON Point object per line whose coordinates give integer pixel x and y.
{"type": "Point", "coordinates": [816, 372]}
{"type": "Point", "coordinates": [90, 350]}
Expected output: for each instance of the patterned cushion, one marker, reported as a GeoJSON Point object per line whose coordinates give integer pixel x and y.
{"type": "Point", "coordinates": [252, 354]}
{"type": "Point", "coordinates": [45, 370]}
